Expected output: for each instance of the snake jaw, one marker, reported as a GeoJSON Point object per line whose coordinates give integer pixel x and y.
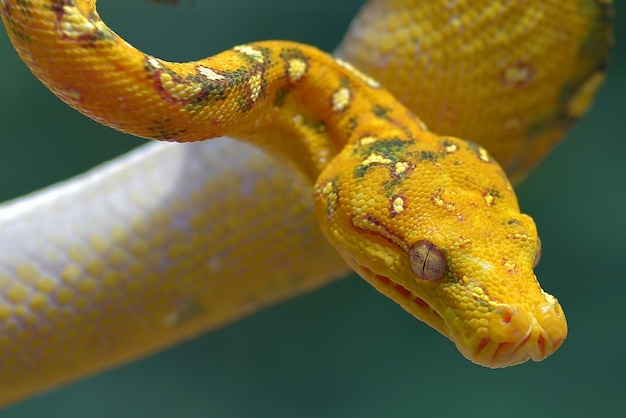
{"type": "Point", "coordinates": [407, 299]}
{"type": "Point", "coordinates": [514, 335]}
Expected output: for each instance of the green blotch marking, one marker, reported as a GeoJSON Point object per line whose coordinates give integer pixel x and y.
{"type": "Point", "coordinates": [596, 44]}
{"type": "Point", "coordinates": [317, 126]}
{"type": "Point", "coordinates": [281, 94]}
{"type": "Point", "coordinates": [483, 303]}
{"type": "Point", "coordinates": [474, 147]}
{"type": "Point", "coordinates": [56, 6]}
{"type": "Point", "coordinates": [360, 171]}
{"type": "Point", "coordinates": [393, 149]}
{"type": "Point", "coordinates": [18, 32]}
{"type": "Point", "coordinates": [14, 25]}
{"type": "Point", "coordinates": [353, 123]}
{"type": "Point", "coordinates": [553, 120]}
{"type": "Point", "coordinates": [87, 40]}
{"type": "Point", "coordinates": [428, 156]}
{"type": "Point", "coordinates": [381, 111]}
{"type": "Point", "coordinates": [331, 204]}
{"type": "Point", "coordinates": [244, 101]}
{"type": "Point", "coordinates": [447, 143]}
{"type": "Point", "coordinates": [391, 187]}
{"type": "Point", "coordinates": [494, 192]}
{"type": "Point", "coordinates": [162, 130]}
{"type": "Point", "coordinates": [287, 54]}
{"type": "Point", "coordinates": [211, 92]}
{"type": "Point", "coordinates": [252, 59]}
{"type": "Point", "coordinates": [451, 278]}
{"type": "Point", "coordinates": [209, 95]}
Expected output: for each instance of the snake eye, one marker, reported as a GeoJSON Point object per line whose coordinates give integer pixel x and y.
{"type": "Point", "coordinates": [537, 253]}
{"type": "Point", "coordinates": [427, 261]}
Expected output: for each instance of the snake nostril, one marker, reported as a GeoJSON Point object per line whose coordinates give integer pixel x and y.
{"type": "Point", "coordinates": [506, 314]}
{"type": "Point", "coordinates": [509, 324]}
{"type": "Point", "coordinates": [506, 317]}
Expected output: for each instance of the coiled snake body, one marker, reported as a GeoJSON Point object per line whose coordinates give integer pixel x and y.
{"type": "Point", "coordinates": [172, 240]}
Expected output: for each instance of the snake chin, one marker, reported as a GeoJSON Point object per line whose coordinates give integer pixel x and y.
{"type": "Point", "coordinates": [513, 336]}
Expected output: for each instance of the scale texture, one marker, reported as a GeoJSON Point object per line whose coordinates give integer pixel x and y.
{"type": "Point", "coordinates": [176, 239]}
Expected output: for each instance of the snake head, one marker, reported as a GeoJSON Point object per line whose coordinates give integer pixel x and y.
{"type": "Point", "coordinates": [434, 224]}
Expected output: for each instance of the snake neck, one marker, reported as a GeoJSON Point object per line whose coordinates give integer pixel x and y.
{"type": "Point", "coordinates": [291, 99]}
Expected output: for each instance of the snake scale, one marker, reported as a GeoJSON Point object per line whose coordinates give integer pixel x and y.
{"type": "Point", "coordinates": [170, 241]}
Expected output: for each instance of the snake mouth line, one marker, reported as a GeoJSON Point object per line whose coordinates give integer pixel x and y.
{"type": "Point", "coordinates": [506, 353]}
{"type": "Point", "coordinates": [406, 293]}
{"type": "Point", "coordinates": [412, 303]}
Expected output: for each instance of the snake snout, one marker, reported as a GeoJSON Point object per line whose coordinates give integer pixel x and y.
{"type": "Point", "coordinates": [517, 334]}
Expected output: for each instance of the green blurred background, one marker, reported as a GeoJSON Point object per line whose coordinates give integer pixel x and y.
{"type": "Point", "coordinates": [346, 351]}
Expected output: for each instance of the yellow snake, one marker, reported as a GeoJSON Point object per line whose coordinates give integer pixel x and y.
{"type": "Point", "coordinates": [151, 249]}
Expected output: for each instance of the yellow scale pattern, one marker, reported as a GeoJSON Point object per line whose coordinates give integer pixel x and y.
{"type": "Point", "coordinates": [549, 57]}
{"type": "Point", "coordinates": [156, 268]}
